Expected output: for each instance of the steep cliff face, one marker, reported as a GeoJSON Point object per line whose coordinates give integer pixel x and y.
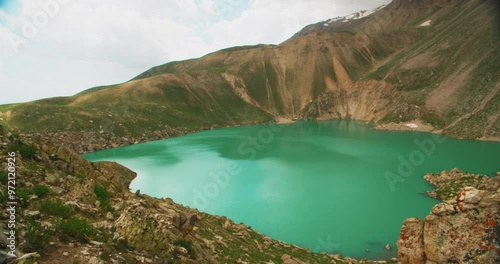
{"type": "Point", "coordinates": [464, 229]}
{"type": "Point", "coordinates": [283, 80]}
{"type": "Point", "coordinates": [364, 100]}
{"type": "Point", "coordinates": [434, 62]}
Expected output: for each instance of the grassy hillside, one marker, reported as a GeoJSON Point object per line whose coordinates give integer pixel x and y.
{"type": "Point", "coordinates": [196, 100]}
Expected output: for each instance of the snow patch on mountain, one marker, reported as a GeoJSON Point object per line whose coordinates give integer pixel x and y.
{"type": "Point", "coordinates": [354, 16]}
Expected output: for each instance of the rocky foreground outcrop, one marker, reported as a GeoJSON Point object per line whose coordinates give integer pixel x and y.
{"type": "Point", "coordinates": [464, 228]}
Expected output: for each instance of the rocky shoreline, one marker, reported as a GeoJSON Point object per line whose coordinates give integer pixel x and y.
{"type": "Point", "coordinates": [414, 125]}
{"type": "Point", "coordinates": [91, 141]}
{"type": "Point", "coordinates": [418, 125]}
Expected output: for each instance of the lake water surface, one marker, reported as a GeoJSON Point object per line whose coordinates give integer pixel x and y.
{"type": "Point", "coordinates": [333, 186]}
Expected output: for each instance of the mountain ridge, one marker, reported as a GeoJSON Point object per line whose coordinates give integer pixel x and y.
{"type": "Point", "coordinates": [391, 68]}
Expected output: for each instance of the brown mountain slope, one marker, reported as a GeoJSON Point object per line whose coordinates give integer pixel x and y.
{"type": "Point", "coordinates": [431, 61]}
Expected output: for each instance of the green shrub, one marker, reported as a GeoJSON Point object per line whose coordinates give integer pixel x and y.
{"type": "Point", "coordinates": [40, 190]}
{"type": "Point", "coordinates": [36, 237]}
{"type": "Point", "coordinates": [26, 151]}
{"type": "Point", "coordinates": [78, 229]}
{"type": "Point", "coordinates": [103, 197]}
{"type": "Point", "coordinates": [105, 254]}
{"type": "Point", "coordinates": [56, 208]}
{"type": "Point", "coordinates": [101, 192]}
{"type": "Point", "coordinates": [3, 197]}
{"type": "Point", "coordinates": [80, 176]}
{"type": "Point", "coordinates": [4, 177]}
{"type": "Point", "coordinates": [23, 195]}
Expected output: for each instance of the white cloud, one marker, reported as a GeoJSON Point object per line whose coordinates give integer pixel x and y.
{"type": "Point", "coordinates": [80, 44]}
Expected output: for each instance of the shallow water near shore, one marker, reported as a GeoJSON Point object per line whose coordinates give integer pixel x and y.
{"type": "Point", "coordinates": [332, 186]}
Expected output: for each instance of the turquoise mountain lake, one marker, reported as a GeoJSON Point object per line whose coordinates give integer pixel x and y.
{"type": "Point", "coordinates": [333, 186]}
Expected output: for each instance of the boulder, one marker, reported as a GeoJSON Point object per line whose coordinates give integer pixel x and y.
{"type": "Point", "coordinates": [469, 198]}
{"type": "Point", "coordinates": [33, 213]}
{"type": "Point", "coordinates": [287, 259]}
{"type": "Point", "coordinates": [443, 208]}
{"type": "Point", "coordinates": [467, 236]}
{"type": "Point", "coordinates": [410, 243]}
{"type": "Point", "coordinates": [490, 201]}
{"type": "Point", "coordinates": [181, 250]}
{"type": "Point", "coordinates": [227, 224]}
{"type": "Point", "coordinates": [109, 216]}
{"type": "Point", "coordinates": [188, 222]}
{"type": "Point", "coordinates": [28, 258]}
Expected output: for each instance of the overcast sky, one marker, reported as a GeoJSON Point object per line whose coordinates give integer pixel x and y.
{"type": "Point", "coordinates": [61, 47]}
